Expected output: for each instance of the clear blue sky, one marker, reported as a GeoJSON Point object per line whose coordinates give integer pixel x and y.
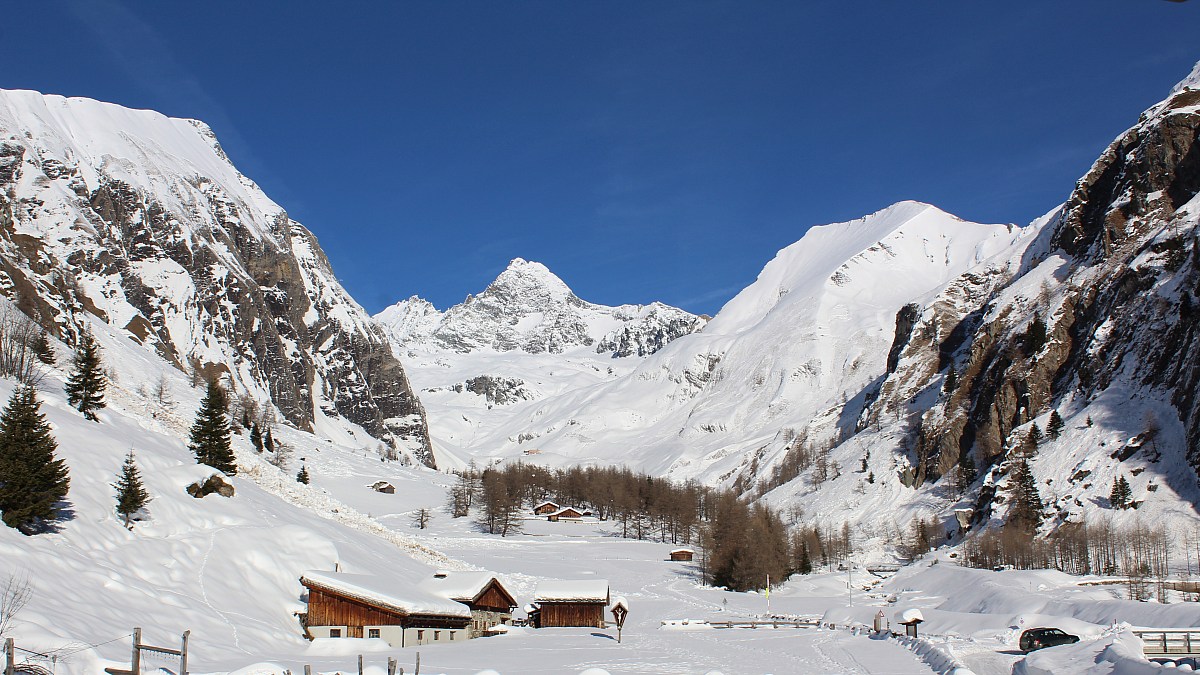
{"type": "Point", "coordinates": [642, 150]}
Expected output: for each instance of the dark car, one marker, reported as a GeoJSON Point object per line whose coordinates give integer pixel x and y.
{"type": "Point", "coordinates": [1040, 638]}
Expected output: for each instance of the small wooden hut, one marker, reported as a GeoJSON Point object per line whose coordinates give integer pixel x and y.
{"type": "Point", "coordinates": [361, 606]}
{"type": "Point", "coordinates": [489, 601]}
{"type": "Point", "coordinates": [567, 513]}
{"type": "Point", "coordinates": [682, 555]}
{"type": "Point", "coordinates": [570, 603]}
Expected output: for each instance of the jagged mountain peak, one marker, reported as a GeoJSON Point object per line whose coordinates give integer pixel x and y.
{"type": "Point", "coordinates": [530, 309]}
{"type": "Point", "coordinates": [524, 283]}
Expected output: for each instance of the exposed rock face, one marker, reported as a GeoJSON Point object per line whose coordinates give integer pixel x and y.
{"type": "Point", "coordinates": [142, 221]}
{"type": "Point", "coordinates": [498, 390]}
{"type": "Point", "coordinates": [1123, 260]}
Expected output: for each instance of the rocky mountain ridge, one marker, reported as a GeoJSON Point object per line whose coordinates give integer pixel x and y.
{"type": "Point", "coordinates": [529, 309]}
{"type": "Point", "coordinates": [142, 221]}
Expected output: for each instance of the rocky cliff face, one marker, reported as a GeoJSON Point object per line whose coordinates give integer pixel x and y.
{"type": "Point", "coordinates": [142, 221]}
{"type": "Point", "coordinates": [1096, 318]}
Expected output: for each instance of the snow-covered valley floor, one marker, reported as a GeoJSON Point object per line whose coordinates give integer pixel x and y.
{"type": "Point", "coordinates": [228, 569]}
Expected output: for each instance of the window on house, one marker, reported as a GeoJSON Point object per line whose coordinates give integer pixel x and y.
{"type": "Point", "coordinates": [372, 632]}
{"type": "Point", "coordinates": [452, 636]}
{"type": "Point", "coordinates": [420, 635]}
{"type": "Point", "coordinates": [437, 634]}
{"type": "Point", "coordinates": [335, 632]}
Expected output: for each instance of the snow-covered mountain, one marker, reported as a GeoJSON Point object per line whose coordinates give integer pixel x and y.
{"type": "Point", "coordinates": [1114, 275]}
{"type": "Point", "coordinates": [824, 385]}
{"type": "Point", "coordinates": [811, 332]}
{"type": "Point", "coordinates": [527, 337]}
{"type": "Point", "coordinates": [141, 220]}
{"type": "Point", "coordinates": [529, 309]}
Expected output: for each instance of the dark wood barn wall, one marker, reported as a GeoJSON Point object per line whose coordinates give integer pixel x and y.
{"type": "Point", "coordinates": [572, 614]}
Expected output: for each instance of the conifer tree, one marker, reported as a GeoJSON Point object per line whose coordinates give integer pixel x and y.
{"type": "Point", "coordinates": [805, 565]}
{"type": "Point", "coordinates": [1026, 510]}
{"type": "Point", "coordinates": [1121, 493]}
{"type": "Point", "coordinates": [131, 493]}
{"type": "Point", "coordinates": [1036, 335]}
{"type": "Point", "coordinates": [967, 473]}
{"type": "Point", "coordinates": [256, 437]}
{"type": "Point", "coordinates": [1055, 426]}
{"type": "Point", "coordinates": [302, 477]}
{"type": "Point", "coordinates": [85, 387]}
{"type": "Point", "coordinates": [32, 481]}
{"type": "Point", "coordinates": [1033, 439]}
{"type": "Point", "coordinates": [269, 441]}
{"type": "Point", "coordinates": [210, 432]}
{"type": "Point", "coordinates": [42, 349]}
{"type": "Point", "coordinates": [951, 381]}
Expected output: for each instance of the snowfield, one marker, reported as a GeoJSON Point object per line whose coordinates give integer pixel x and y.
{"type": "Point", "coordinates": [228, 569]}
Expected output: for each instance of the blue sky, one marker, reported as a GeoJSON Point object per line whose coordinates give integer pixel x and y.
{"type": "Point", "coordinates": [642, 150]}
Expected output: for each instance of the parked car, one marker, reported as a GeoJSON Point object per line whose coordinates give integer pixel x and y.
{"type": "Point", "coordinates": [1040, 638]}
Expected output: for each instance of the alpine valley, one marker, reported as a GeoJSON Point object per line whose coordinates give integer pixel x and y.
{"type": "Point", "coordinates": [895, 373]}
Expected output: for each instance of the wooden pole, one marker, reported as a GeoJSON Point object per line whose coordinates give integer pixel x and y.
{"type": "Point", "coordinates": [391, 666]}
{"type": "Point", "coordinates": [307, 670]}
{"type": "Point", "coordinates": [360, 664]}
{"type": "Point", "coordinates": [136, 666]}
{"type": "Point", "coordinates": [418, 670]}
{"type": "Point", "coordinates": [10, 660]}
{"type": "Point", "coordinates": [183, 653]}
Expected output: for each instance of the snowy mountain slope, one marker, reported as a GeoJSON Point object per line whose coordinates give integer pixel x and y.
{"type": "Point", "coordinates": [527, 337]}
{"type": "Point", "coordinates": [225, 568]}
{"type": "Point", "coordinates": [816, 326]}
{"type": "Point", "coordinates": [141, 220]}
{"type": "Point", "coordinates": [1113, 274]}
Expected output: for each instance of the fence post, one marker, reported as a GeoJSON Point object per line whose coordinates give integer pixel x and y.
{"type": "Point", "coordinates": [391, 665]}
{"type": "Point", "coordinates": [360, 664]}
{"type": "Point", "coordinates": [137, 651]}
{"type": "Point", "coordinates": [183, 653]}
{"type": "Point", "coordinates": [10, 661]}
{"type": "Point", "coordinates": [307, 669]}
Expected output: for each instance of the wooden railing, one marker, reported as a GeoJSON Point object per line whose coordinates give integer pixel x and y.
{"type": "Point", "coordinates": [1170, 641]}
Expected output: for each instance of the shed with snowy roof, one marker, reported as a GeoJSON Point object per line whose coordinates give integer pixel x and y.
{"type": "Point", "coordinates": [490, 602]}
{"type": "Point", "coordinates": [361, 606]}
{"type": "Point", "coordinates": [570, 603]}
{"type": "Point", "coordinates": [682, 555]}
{"type": "Point", "coordinates": [566, 513]}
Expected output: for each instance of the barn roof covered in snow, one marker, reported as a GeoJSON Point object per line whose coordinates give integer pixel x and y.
{"type": "Point", "coordinates": [387, 593]}
{"type": "Point", "coordinates": [584, 590]}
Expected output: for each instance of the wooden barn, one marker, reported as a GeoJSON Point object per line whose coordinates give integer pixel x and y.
{"type": "Point", "coordinates": [682, 555]}
{"type": "Point", "coordinates": [360, 606]}
{"type": "Point", "coordinates": [570, 603]}
{"type": "Point", "coordinates": [489, 601]}
{"type": "Point", "coordinates": [545, 508]}
{"type": "Point", "coordinates": [567, 513]}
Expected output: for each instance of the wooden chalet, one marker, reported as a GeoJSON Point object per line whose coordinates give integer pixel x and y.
{"type": "Point", "coordinates": [360, 606]}
{"type": "Point", "coordinates": [567, 513]}
{"type": "Point", "coordinates": [570, 603]}
{"type": "Point", "coordinates": [545, 508]}
{"type": "Point", "coordinates": [489, 601]}
{"type": "Point", "coordinates": [682, 555]}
